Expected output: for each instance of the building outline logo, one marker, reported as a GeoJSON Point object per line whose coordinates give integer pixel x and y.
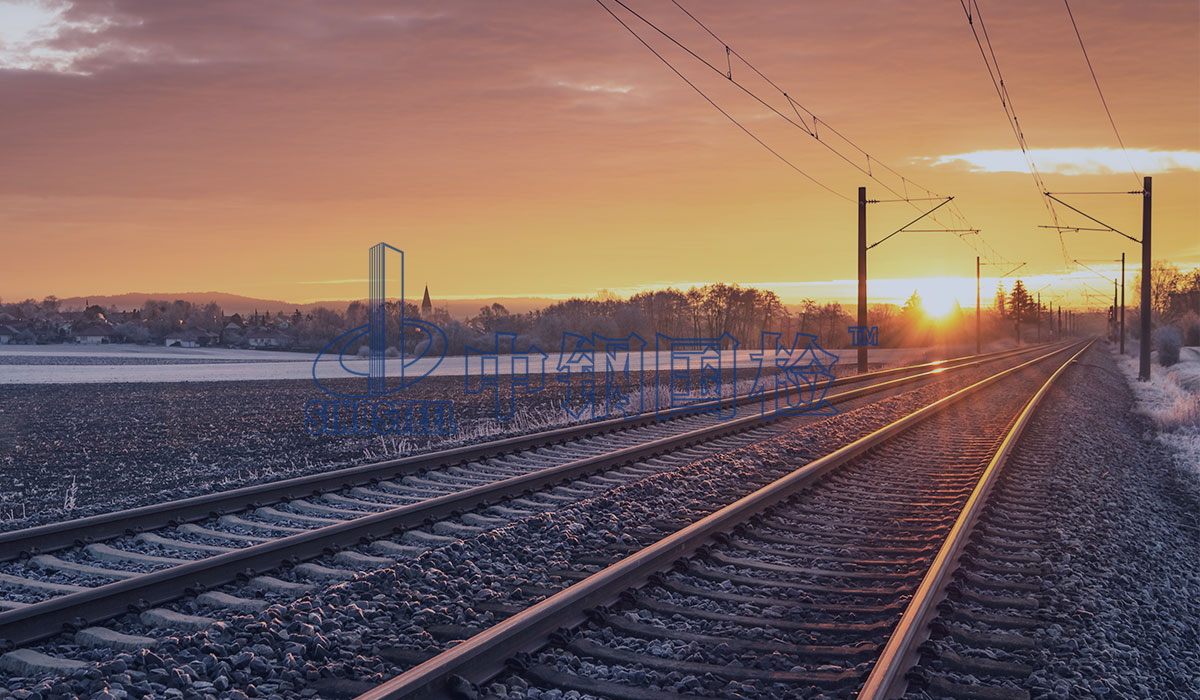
{"type": "Point", "coordinates": [345, 414]}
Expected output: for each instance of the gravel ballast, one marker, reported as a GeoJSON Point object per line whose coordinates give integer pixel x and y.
{"type": "Point", "coordinates": [354, 630]}
{"type": "Point", "coordinates": [1118, 560]}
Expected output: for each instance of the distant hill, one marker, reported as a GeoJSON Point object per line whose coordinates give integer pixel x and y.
{"type": "Point", "coordinates": [230, 303]}
{"type": "Point", "coordinates": [236, 303]}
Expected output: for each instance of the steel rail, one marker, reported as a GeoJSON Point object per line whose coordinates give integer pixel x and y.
{"type": "Point", "coordinates": [42, 620]}
{"type": "Point", "coordinates": [484, 655]}
{"type": "Point", "coordinates": [68, 533]}
{"type": "Point", "coordinates": [886, 679]}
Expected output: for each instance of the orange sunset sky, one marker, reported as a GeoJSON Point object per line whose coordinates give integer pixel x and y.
{"type": "Point", "coordinates": [536, 148]}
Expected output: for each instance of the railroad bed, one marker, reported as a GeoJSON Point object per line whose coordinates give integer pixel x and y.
{"type": "Point", "coordinates": [821, 583]}
{"type": "Point", "coordinates": [397, 510]}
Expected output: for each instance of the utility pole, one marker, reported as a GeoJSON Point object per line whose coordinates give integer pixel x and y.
{"type": "Point", "coordinates": [1039, 317]}
{"type": "Point", "coordinates": [862, 277]}
{"type": "Point", "coordinates": [1144, 369]}
{"type": "Point", "coordinates": [1116, 309]}
{"type": "Point", "coordinates": [1122, 303]}
{"type": "Point", "coordinates": [1060, 320]}
{"type": "Point", "coordinates": [978, 337]}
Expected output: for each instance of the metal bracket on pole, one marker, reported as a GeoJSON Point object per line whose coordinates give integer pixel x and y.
{"type": "Point", "coordinates": [1106, 226]}
{"type": "Point", "coordinates": [881, 240]}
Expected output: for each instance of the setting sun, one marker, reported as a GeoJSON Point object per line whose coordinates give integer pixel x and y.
{"type": "Point", "coordinates": [939, 304]}
{"type": "Point", "coordinates": [940, 296]}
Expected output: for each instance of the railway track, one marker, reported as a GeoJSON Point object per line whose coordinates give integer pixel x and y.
{"type": "Point", "coordinates": [70, 576]}
{"type": "Point", "coordinates": [824, 581]}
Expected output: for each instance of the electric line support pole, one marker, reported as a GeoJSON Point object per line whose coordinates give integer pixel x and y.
{"type": "Point", "coordinates": [1122, 303]}
{"type": "Point", "coordinates": [1144, 369]}
{"type": "Point", "coordinates": [1039, 317]}
{"type": "Point", "coordinates": [978, 337]}
{"type": "Point", "coordinates": [1060, 335]}
{"type": "Point", "coordinates": [862, 277]}
{"type": "Point", "coordinates": [1116, 309]}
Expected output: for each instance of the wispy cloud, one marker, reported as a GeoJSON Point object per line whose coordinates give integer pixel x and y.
{"type": "Point", "coordinates": [1071, 161]}
{"type": "Point", "coordinates": [595, 87]}
{"type": "Point", "coordinates": [31, 33]}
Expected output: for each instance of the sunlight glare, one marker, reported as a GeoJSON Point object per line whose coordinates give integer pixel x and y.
{"type": "Point", "coordinates": [939, 297]}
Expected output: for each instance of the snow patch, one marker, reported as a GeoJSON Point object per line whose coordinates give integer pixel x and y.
{"type": "Point", "coordinates": [1172, 400]}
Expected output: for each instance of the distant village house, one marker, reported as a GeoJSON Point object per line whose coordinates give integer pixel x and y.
{"type": "Point", "coordinates": [268, 338]}
{"type": "Point", "coordinates": [94, 334]}
{"type": "Point", "coordinates": [190, 338]}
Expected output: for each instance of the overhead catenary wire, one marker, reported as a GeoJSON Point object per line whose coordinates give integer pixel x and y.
{"type": "Point", "coordinates": [1106, 278]}
{"type": "Point", "coordinates": [1103, 101]}
{"type": "Point", "coordinates": [797, 107]}
{"type": "Point", "coordinates": [812, 126]}
{"type": "Point", "coordinates": [973, 12]}
{"type": "Point", "coordinates": [729, 76]}
{"type": "Point", "coordinates": [727, 115]}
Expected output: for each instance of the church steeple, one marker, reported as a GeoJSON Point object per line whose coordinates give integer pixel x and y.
{"type": "Point", "coordinates": [426, 304]}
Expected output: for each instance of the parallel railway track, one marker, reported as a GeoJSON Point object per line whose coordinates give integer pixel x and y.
{"type": "Point", "coordinates": [824, 581]}
{"type": "Point", "coordinates": [106, 566]}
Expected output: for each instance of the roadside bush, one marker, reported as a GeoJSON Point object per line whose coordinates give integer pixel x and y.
{"type": "Point", "coordinates": [1190, 323]}
{"type": "Point", "coordinates": [1167, 340]}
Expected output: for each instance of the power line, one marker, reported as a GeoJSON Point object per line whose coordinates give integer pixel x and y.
{"type": "Point", "coordinates": [812, 126]}
{"type": "Point", "coordinates": [708, 99]}
{"type": "Point", "coordinates": [796, 106]}
{"type": "Point", "coordinates": [1101, 93]}
{"type": "Point", "coordinates": [1010, 113]}
{"type": "Point", "coordinates": [997, 78]}
{"type": "Point", "coordinates": [728, 75]}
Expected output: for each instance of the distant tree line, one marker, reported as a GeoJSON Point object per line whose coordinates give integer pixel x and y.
{"type": "Point", "coordinates": [710, 311]}
{"type": "Point", "coordinates": [1174, 309]}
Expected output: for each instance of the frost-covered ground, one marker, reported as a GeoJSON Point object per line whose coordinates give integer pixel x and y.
{"type": "Point", "coordinates": [72, 449]}
{"type": "Point", "coordinates": [69, 352]}
{"type": "Point", "coordinates": [1172, 400]}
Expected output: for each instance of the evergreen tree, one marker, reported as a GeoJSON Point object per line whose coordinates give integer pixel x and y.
{"type": "Point", "coordinates": [1021, 304]}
